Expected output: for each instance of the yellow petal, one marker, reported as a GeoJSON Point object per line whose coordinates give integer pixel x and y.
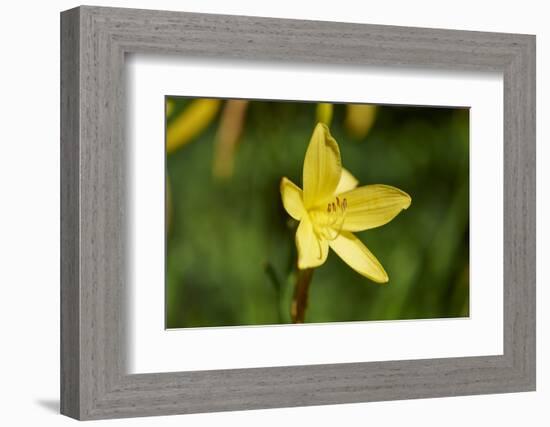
{"type": "Point", "coordinates": [324, 113]}
{"type": "Point", "coordinates": [291, 195]}
{"type": "Point", "coordinates": [372, 206]}
{"type": "Point", "coordinates": [347, 182]}
{"type": "Point", "coordinates": [312, 251]}
{"type": "Point", "coordinates": [359, 119]}
{"type": "Point", "coordinates": [355, 254]}
{"type": "Point", "coordinates": [191, 122]}
{"type": "Point", "coordinates": [322, 167]}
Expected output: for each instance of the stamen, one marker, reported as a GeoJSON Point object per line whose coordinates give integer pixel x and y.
{"type": "Point", "coordinates": [329, 224]}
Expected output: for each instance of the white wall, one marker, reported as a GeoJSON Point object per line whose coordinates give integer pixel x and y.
{"type": "Point", "coordinates": [29, 225]}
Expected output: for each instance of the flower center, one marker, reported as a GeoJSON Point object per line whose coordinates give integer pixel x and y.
{"type": "Point", "coordinates": [328, 222]}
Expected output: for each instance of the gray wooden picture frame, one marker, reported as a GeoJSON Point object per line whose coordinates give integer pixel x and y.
{"type": "Point", "coordinates": [94, 381]}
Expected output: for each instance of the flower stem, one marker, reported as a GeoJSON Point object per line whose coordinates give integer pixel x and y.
{"type": "Point", "coordinates": [301, 294]}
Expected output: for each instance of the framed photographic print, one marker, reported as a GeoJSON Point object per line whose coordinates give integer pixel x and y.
{"type": "Point", "coordinates": [262, 213]}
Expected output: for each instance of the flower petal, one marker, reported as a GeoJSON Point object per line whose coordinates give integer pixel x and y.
{"type": "Point", "coordinates": [322, 167]}
{"type": "Point", "coordinates": [291, 195]}
{"type": "Point", "coordinates": [312, 251]}
{"type": "Point", "coordinates": [347, 182]}
{"type": "Point", "coordinates": [372, 206]}
{"type": "Point", "coordinates": [354, 253]}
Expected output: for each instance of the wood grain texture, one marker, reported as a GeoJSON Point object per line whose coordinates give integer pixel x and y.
{"type": "Point", "coordinates": [95, 276]}
{"type": "Point", "coordinates": [70, 291]}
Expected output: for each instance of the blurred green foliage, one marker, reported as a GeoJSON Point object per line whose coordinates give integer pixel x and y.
{"type": "Point", "coordinates": [230, 244]}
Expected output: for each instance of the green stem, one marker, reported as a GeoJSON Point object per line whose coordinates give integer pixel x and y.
{"type": "Point", "coordinates": [301, 295]}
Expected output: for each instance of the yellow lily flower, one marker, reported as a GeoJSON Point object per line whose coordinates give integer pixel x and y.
{"type": "Point", "coordinates": [331, 207]}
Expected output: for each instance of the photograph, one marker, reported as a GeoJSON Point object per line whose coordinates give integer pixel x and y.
{"type": "Point", "coordinates": [277, 210]}
{"type": "Point", "coordinates": [283, 212]}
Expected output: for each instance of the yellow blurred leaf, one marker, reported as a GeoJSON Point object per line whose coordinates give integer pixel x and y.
{"type": "Point", "coordinates": [191, 122]}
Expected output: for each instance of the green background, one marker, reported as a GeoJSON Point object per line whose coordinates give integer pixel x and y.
{"type": "Point", "coordinates": [230, 253]}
